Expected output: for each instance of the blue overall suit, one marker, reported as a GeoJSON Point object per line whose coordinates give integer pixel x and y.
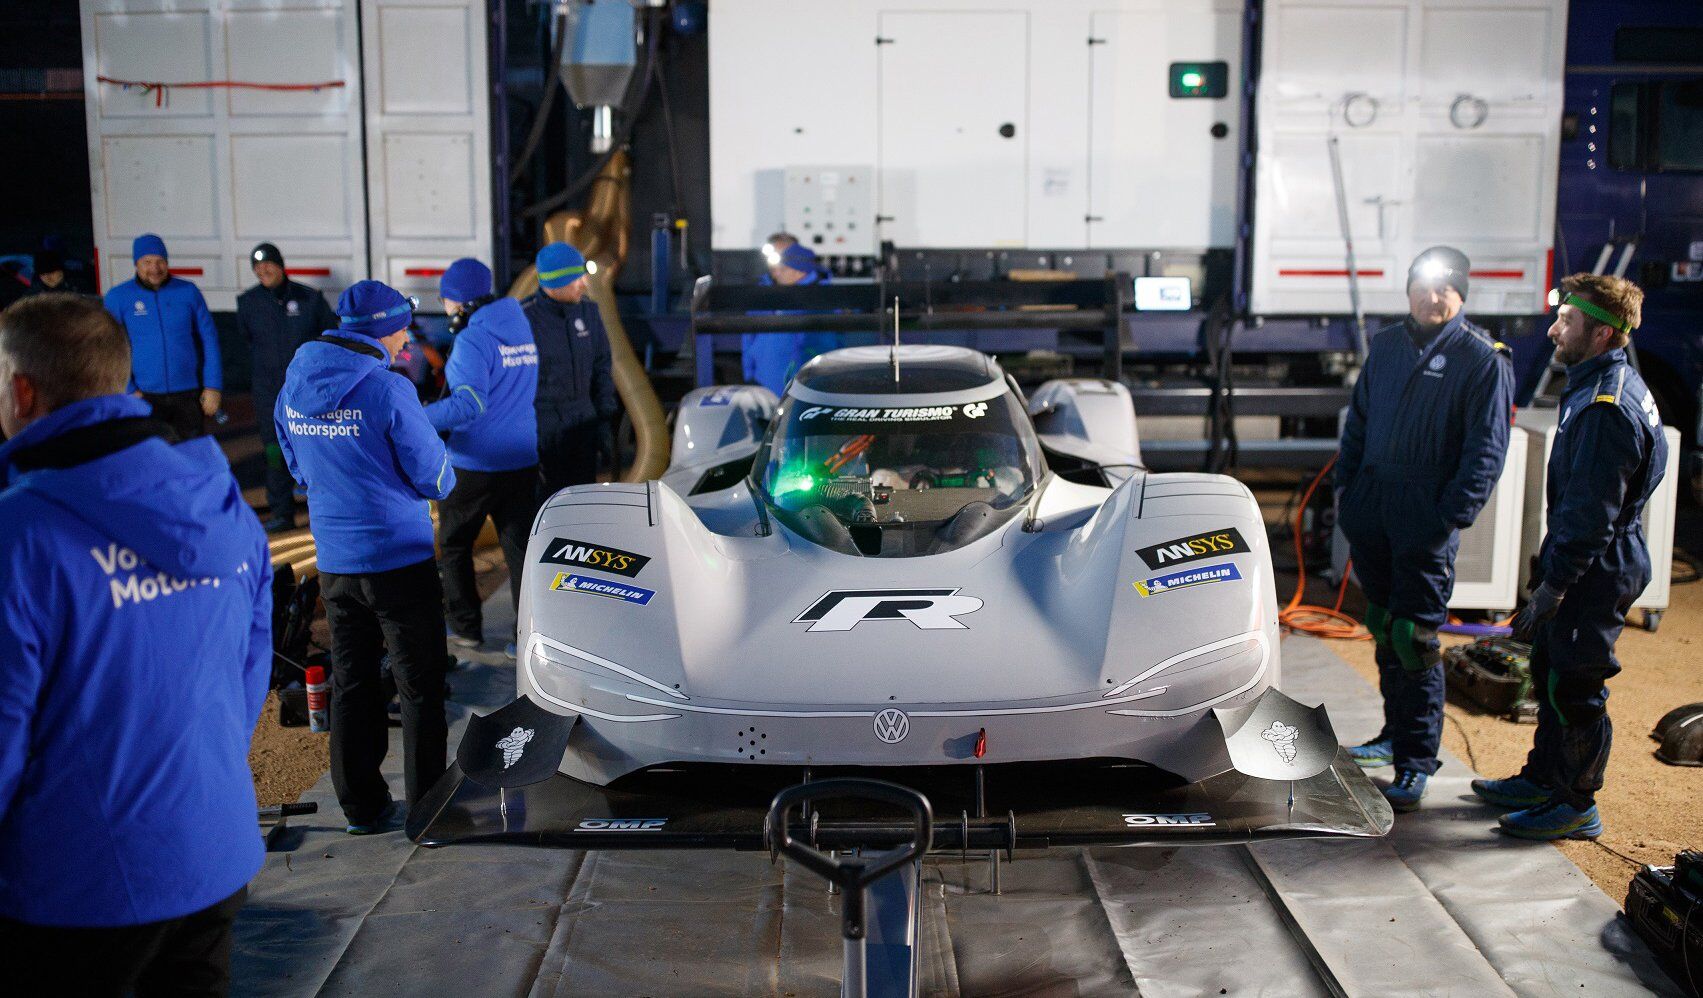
{"type": "Point", "coordinates": [1422, 448]}
{"type": "Point", "coordinates": [1608, 458]}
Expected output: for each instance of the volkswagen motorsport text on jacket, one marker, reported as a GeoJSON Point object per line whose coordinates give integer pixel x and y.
{"type": "Point", "coordinates": [492, 376]}
{"type": "Point", "coordinates": [353, 432]}
{"type": "Point", "coordinates": [135, 648]}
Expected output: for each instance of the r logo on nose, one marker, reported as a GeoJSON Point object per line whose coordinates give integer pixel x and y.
{"type": "Point", "coordinates": [929, 609]}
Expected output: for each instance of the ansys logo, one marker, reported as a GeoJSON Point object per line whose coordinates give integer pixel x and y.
{"type": "Point", "coordinates": [1185, 549]}
{"type": "Point", "coordinates": [565, 551]}
{"type": "Point", "coordinates": [929, 609]}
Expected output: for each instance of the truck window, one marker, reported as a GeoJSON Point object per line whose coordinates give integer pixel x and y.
{"type": "Point", "coordinates": [1679, 122]}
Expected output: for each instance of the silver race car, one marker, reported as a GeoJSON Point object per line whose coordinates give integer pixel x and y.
{"type": "Point", "coordinates": [901, 563]}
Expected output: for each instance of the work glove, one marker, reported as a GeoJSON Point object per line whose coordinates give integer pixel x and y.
{"type": "Point", "coordinates": [1542, 606]}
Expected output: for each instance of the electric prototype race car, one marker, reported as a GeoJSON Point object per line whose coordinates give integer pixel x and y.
{"type": "Point", "coordinates": [905, 566]}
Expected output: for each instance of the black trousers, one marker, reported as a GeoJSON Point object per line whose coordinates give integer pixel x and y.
{"type": "Point", "coordinates": [399, 612]}
{"type": "Point", "coordinates": [280, 487]}
{"type": "Point", "coordinates": [188, 956]}
{"type": "Point", "coordinates": [510, 499]}
{"type": "Point", "coordinates": [179, 410]}
{"type": "Point", "coordinates": [567, 455]}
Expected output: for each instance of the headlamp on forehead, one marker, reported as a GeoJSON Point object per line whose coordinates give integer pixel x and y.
{"type": "Point", "coordinates": [1433, 269]}
{"type": "Point", "coordinates": [591, 266]}
{"type": "Point", "coordinates": [1559, 300]}
{"type": "Point", "coordinates": [771, 255]}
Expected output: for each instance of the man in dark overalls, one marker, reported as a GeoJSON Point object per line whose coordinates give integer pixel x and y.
{"type": "Point", "coordinates": [576, 404]}
{"type": "Point", "coordinates": [276, 316]}
{"type": "Point", "coordinates": [1609, 456]}
{"type": "Point", "coordinates": [1422, 448]}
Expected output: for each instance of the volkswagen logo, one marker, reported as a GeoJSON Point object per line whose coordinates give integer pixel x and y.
{"type": "Point", "coordinates": [891, 726]}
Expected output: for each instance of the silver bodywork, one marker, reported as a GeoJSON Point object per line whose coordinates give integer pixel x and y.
{"type": "Point", "coordinates": [732, 639]}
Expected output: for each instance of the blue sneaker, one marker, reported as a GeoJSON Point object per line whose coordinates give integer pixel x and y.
{"type": "Point", "coordinates": [1407, 789]}
{"type": "Point", "coordinates": [1374, 754]}
{"type": "Point", "coordinates": [1553, 820]}
{"type": "Point", "coordinates": [510, 652]}
{"type": "Point", "coordinates": [1515, 791]}
{"type": "Point", "coordinates": [388, 820]}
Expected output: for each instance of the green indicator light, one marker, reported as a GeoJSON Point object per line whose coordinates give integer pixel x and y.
{"type": "Point", "coordinates": [1193, 80]}
{"type": "Point", "coordinates": [794, 482]}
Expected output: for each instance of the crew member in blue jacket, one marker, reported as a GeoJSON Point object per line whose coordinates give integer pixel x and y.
{"type": "Point", "coordinates": [1422, 448]}
{"type": "Point", "coordinates": [174, 349]}
{"type": "Point", "coordinates": [1609, 456]}
{"type": "Point", "coordinates": [277, 316]}
{"type": "Point", "coordinates": [576, 403]}
{"type": "Point", "coordinates": [771, 359]}
{"type": "Point", "coordinates": [490, 383]}
{"type": "Point", "coordinates": [353, 432]}
{"type": "Point", "coordinates": [126, 804]}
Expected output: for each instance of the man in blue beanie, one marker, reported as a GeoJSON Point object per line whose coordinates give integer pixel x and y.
{"type": "Point", "coordinates": [174, 349]}
{"type": "Point", "coordinates": [771, 359]}
{"type": "Point", "coordinates": [576, 385]}
{"type": "Point", "coordinates": [489, 384]}
{"type": "Point", "coordinates": [353, 433]}
{"type": "Point", "coordinates": [135, 649]}
{"type": "Point", "coordinates": [1422, 448]}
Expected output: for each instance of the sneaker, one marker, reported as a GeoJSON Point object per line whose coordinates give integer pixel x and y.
{"type": "Point", "coordinates": [463, 640]}
{"type": "Point", "coordinates": [510, 651]}
{"type": "Point", "coordinates": [388, 820]}
{"type": "Point", "coordinates": [1374, 754]}
{"type": "Point", "coordinates": [1407, 789]}
{"type": "Point", "coordinates": [1552, 820]}
{"type": "Point", "coordinates": [1515, 791]}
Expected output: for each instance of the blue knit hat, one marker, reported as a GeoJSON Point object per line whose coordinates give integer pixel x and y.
{"type": "Point", "coordinates": [374, 309]}
{"type": "Point", "coordinates": [466, 280]}
{"type": "Point", "coordinates": [799, 257]}
{"type": "Point", "coordinates": [560, 265]}
{"type": "Point", "coordinates": [147, 244]}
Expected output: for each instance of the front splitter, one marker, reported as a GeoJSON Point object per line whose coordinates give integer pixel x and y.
{"type": "Point", "coordinates": [1015, 806]}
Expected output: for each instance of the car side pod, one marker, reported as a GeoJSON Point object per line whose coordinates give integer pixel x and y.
{"type": "Point", "coordinates": [1681, 733]}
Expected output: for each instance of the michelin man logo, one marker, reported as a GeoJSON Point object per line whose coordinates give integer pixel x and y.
{"type": "Point", "coordinates": [976, 410]}
{"type": "Point", "coordinates": [514, 746]}
{"type": "Point", "coordinates": [1282, 739]}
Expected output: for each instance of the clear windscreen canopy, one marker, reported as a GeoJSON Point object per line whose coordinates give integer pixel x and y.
{"type": "Point", "coordinates": [906, 464]}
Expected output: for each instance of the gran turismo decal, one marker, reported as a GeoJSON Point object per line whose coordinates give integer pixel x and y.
{"type": "Point", "coordinates": [1198, 819]}
{"type": "Point", "coordinates": [513, 745]}
{"type": "Point", "coordinates": [929, 609]}
{"type": "Point", "coordinates": [1193, 548]}
{"type": "Point", "coordinates": [912, 414]}
{"type": "Point", "coordinates": [620, 824]}
{"type": "Point", "coordinates": [1187, 578]}
{"type": "Point", "coordinates": [566, 582]}
{"type": "Point", "coordinates": [891, 725]}
{"type": "Point", "coordinates": [567, 551]}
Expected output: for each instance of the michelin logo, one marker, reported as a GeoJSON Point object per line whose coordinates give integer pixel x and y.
{"type": "Point", "coordinates": [525, 355]}
{"type": "Point", "coordinates": [336, 423]}
{"type": "Point", "coordinates": [134, 588]}
{"type": "Point", "coordinates": [1185, 579]}
{"type": "Point", "coordinates": [565, 582]}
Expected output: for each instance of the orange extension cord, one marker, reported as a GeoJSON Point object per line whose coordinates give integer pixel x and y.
{"type": "Point", "coordinates": [160, 89]}
{"type": "Point", "coordinates": [1319, 621]}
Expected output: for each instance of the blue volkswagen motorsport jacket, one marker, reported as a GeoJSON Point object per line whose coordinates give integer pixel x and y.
{"type": "Point", "coordinates": [173, 345]}
{"type": "Point", "coordinates": [492, 376]}
{"type": "Point", "coordinates": [135, 648]}
{"type": "Point", "coordinates": [353, 433]}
